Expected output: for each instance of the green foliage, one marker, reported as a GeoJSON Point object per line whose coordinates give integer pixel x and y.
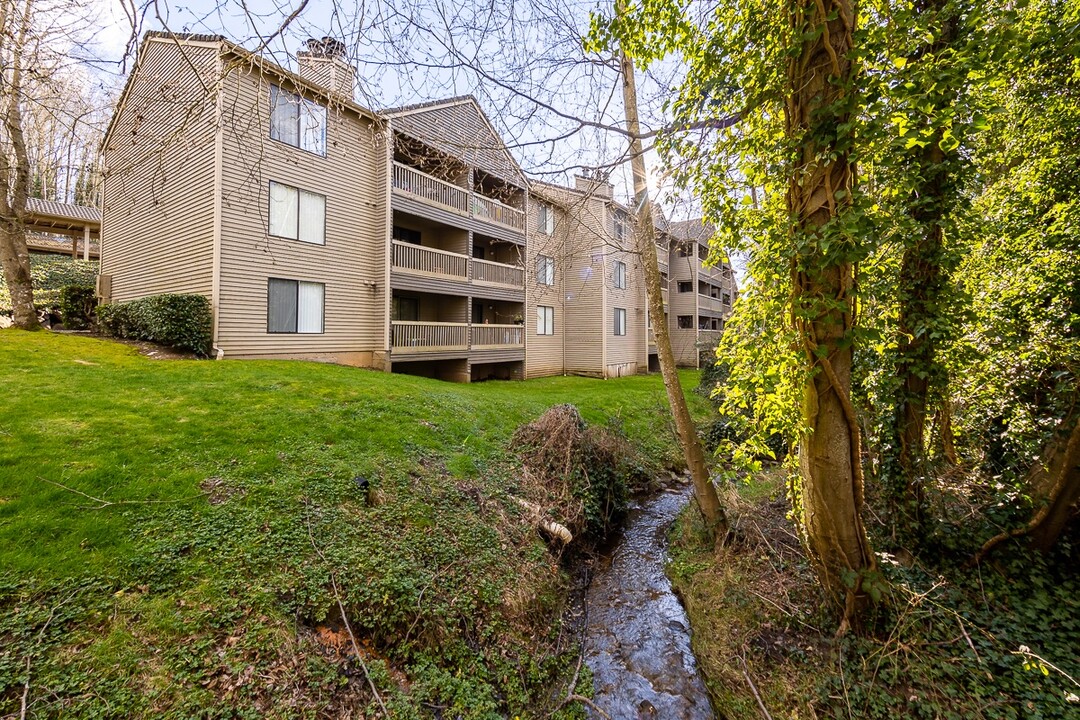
{"type": "Point", "coordinates": [184, 322]}
{"type": "Point", "coordinates": [207, 590]}
{"type": "Point", "coordinates": [77, 304]}
{"type": "Point", "coordinates": [51, 273]}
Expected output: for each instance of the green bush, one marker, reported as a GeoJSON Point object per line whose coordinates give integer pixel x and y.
{"type": "Point", "coordinates": [183, 322]}
{"type": "Point", "coordinates": [51, 273]}
{"type": "Point", "coordinates": [77, 306]}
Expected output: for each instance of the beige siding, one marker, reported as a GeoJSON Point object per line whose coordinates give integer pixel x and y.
{"type": "Point", "coordinates": [683, 342]}
{"type": "Point", "coordinates": [625, 354]}
{"type": "Point", "coordinates": [158, 207]}
{"type": "Point", "coordinates": [351, 264]}
{"type": "Point", "coordinates": [583, 288]}
{"type": "Point", "coordinates": [545, 352]}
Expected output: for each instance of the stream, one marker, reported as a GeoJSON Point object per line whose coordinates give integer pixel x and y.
{"type": "Point", "coordinates": [637, 642]}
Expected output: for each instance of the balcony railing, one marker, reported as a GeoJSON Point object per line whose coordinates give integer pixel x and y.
{"type": "Point", "coordinates": [413, 181]}
{"type": "Point", "coordinates": [497, 212]}
{"type": "Point", "coordinates": [409, 336]}
{"type": "Point", "coordinates": [497, 336]}
{"type": "Point", "coordinates": [711, 303]}
{"type": "Point", "coordinates": [486, 271]}
{"type": "Point", "coordinates": [432, 261]}
{"type": "Point", "coordinates": [430, 188]}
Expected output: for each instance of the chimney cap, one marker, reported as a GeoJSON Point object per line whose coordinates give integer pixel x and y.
{"type": "Point", "coordinates": [326, 47]}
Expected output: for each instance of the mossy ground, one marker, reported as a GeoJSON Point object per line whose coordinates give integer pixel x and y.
{"type": "Point", "coordinates": [176, 536]}
{"type": "Point", "coordinates": [946, 643]}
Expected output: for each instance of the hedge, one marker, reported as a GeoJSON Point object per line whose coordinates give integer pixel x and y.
{"type": "Point", "coordinates": [51, 273]}
{"type": "Point", "coordinates": [77, 306]}
{"type": "Point", "coordinates": [183, 322]}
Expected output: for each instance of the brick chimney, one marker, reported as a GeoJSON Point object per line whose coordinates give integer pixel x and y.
{"type": "Point", "coordinates": [324, 63]}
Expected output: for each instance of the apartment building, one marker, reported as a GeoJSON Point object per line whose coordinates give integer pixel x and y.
{"type": "Point", "coordinates": [406, 239]}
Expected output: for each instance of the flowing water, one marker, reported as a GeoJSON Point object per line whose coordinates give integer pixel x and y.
{"type": "Point", "coordinates": [637, 642]}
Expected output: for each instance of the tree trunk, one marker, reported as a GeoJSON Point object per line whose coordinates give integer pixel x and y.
{"type": "Point", "coordinates": [645, 242]}
{"type": "Point", "coordinates": [822, 301]}
{"type": "Point", "coordinates": [14, 255]}
{"type": "Point", "coordinates": [923, 276]}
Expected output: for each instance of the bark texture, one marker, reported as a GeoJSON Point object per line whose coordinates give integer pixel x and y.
{"type": "Point", "coordinates": [823, 304]}
{"type": "Point", "coordinates": [645, 242]}
{"type": "Point", "coordinates": [15, 166]}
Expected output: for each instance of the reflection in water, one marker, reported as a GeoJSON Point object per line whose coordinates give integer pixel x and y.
{"type": "Point", "coordinates": [637, 643]}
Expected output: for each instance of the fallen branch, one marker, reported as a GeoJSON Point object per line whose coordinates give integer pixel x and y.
{"type": "Point", "coordinates": [345, 619]}
{"type": "Point", "coordinates": [572, 696]}
{"type": "Point", "coordinates": [553, 529]}
{"type": "Point", "coordinates": [753, 689]}
{"type": "Point", "coordinates": [102, 503]}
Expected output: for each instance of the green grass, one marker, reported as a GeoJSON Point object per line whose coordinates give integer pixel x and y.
{"type": "Point", "coordinates": [444, 579]}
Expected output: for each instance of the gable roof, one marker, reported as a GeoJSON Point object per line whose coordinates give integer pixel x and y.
{"type": "Point", "coordinates": [56, 210]}
{"type": "Point", "coordinates": [227, 46]}
{"type": "Point", "coordinates": [696, 230]}
{"type": "Point", "coordinates": [458, 126]}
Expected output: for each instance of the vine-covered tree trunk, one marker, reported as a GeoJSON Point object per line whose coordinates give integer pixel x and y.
{"type": "Point", "coordinates": [645, 236]}
{"type": "Point", "coordinates": [923, 277]}
{"type": "Point", "coordinates": [15, 166]}
{"type": "Point", "coordinates": [819, 80]}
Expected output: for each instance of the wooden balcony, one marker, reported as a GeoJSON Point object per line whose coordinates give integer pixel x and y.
{"type": "Point", "coordinates": [452, 197]}
{"type": "Point", "coordinates": [710, 303]}
{"type": "Point", "coordinates": [499, 213]}
{"type": "Point", "coordinates": [411, 337]}
{"type": "Point", "coordinates": [430, 188]}
{"type": "Point", "coordinates": [493, 273]}
{"type": "Point", "coordinates": [497, 336]}
{"type": "Point", "coordinates": [430, 261]}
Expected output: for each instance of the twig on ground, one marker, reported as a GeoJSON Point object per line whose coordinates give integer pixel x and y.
{"type": "Point", "coordinates": [753, 689]}
{"type": "Point", "coordinates": [345, 620]}
{"type": "Point", "coordinates": [102, 504]}
{"type": "Point", "coordinates": [571, 696]}
{"type": "Point", "coordinates": [25, 692]}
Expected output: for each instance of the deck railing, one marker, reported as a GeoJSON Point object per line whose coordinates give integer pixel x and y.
{"type": "Point", "coordinates": [430, 188]}
{"type": "Point", "coordinates": [410, 336]}
{"type": "Point", "coordinates": [486, 336]}
{"type": "Point", "coordinates": [711, 303]}
{"type": "Point", "coordinates": [408, 256]}
{"type": "Point", "coordinates": [498, 273]}
{"type": "Point", "coordinates": [497, 212]}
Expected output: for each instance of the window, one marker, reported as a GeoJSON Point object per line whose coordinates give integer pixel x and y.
{"type": "Point", "coordinates": [620, 225]}
{"type": "Point", "coordinates": [727, 299]}
{"type": "Point", "coordinates": [293, 306]}
{"type": "Point", "coordinates": [686, 286]}
{"type": "Point", "coordinates": [297, 122]}
{"type": "Point", "coordinates": [686, 322]}
{"type": "Point", "coordinates": [546, 218]}
{"type": "Point", "coordinates": [406, 235]}
{"type": "Point", "coordinates": [545, 270]}
{"type": "Point", "coordinates": [685, 250]}
{"type": "Point", "coordinates": [297, 214]}
{"type": "Point", "coordinates": [545, 320]}
{"type": "Point", "coordinates": [620, 275]}
{"type": "Point", "coordinates": [405, 308]}
{"type": "Point", "coordinates": [620, 321]}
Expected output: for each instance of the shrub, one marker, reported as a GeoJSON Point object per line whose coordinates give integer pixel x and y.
{"type": "Point", "coordinates": [77, 306]}
{"type": "Point", "coordinates": [183, 322]}
{"type": "Point", "coordinates": [49, 274]}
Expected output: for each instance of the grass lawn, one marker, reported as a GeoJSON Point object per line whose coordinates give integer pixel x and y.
{"type": "Point", "coordinates": [225, 510]}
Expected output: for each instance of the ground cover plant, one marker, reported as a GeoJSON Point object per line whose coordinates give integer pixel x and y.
{"type": "Point", "coordinates": [189, 538]}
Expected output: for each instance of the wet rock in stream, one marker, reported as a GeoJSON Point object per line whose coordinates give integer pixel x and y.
{"type": "Point", "coordinates": [637, 642]}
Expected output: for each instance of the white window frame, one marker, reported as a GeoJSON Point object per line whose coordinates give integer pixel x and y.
{"type": "Point", "coordinates": [545, 320]}
{"type": "Point", "coordinates": [619, 222]}
{"type": "Point", "coordinates": [619, 275]}
{"type": "Point", "coordinates": [620, 322]}
{"type": "Point", "coordinates": [309, 133]}
{"type": "Point", "coordinates": [545, 270]}
{"type": "Point", "coordinates": [303, 204]}
{"type": "Point", "coordinates": [304, 293]}
{"type": "Point", "coordinates": [546, 218]}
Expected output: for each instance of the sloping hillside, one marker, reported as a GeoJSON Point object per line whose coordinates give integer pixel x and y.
{"type": "Point", "coordinates": [179, 538]}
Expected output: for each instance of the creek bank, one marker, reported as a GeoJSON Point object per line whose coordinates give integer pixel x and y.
{"type": "Point", "coordinates": [637, 634]}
